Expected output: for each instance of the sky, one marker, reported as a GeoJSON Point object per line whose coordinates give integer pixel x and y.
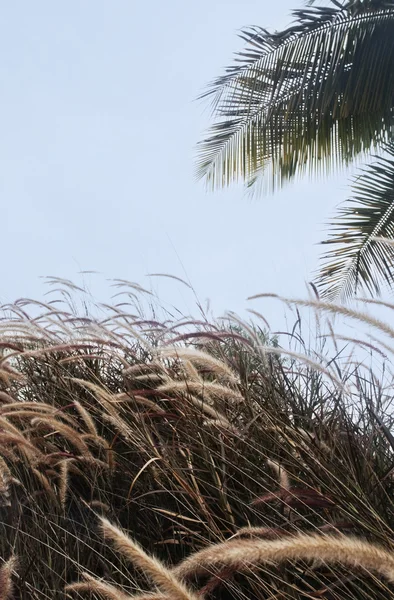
{"type": "Point", "coordinates": [99, 125]}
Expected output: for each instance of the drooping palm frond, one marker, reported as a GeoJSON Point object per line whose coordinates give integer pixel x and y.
{"type": "Point", "coordinates": [358, 262]}
{"type": "Point", "coordinates": [320, 91]}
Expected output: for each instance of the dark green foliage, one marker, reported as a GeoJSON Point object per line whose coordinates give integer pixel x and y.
{"type": "Point", "coordinates": [314, 96]}
{"type": "Point", "coordinates": [319, 91]}
{"type": "Point", "coordinates": [361, 261]}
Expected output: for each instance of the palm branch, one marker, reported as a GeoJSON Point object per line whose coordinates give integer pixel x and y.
{"type": "Point", "coordinates": [358, 262]}
{"type": "Point", "coordinates": [315, 94]}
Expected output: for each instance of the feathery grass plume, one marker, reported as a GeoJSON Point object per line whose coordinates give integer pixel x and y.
{"type": "Point", "coordinates": [334, 309]}
{"type": "Point", "coordinates": [87, 418]}
{"type": "Point", "coordinates": [141, 400]}
{"type": "Point", "coordinates": [44, 483]}
{"type": "Point", "coordinates": [6, 585]}
{"type": "Point", "coordinates": [224, 424]}
{"type": "Point", "coordinates": [268, 533]}
{"type": "Point", "coordinates": [91, 585]}
{"type": "Point", "coordinates": [69, 433]}
{"type": "Point", "coordinates": [283, 475]}
{"type": "Point", "coordinates": [97, 440]}
{"type": "Point", "coordinates": [190, 371]}
{"type": "Point", "coordinates": [152, 596]}
{"type": "Point", "coordinates": [23, 414]}
{"type": "Point", "coordinates": [36, 406]}
{"type": "Point", "coordinates": [202, 359]}
{"type": "Point", "coordinates": [162, 577]}
{"type": "Point", "coordinates": [153, 366]}
{"type": "Point", "coordinates": [51, 349]}
{"type": "Point", "coordinates": [149, 378]}
{"type": "Point", "coordinates": [8, 427]}
{"type": "Point", "coordinates": [376, 302]}
{"type": "Point", "coordinates": [242, 555]}
{"type": "Point", "coordinates": [25, 448]}
{"type": "Point", "coordinates": [103, 396]}
{"type": "Point", "coordinates": [63, 482]}
{"type": "Point", "coordinates": [8, 375]}
{"type": "Point", "coordinates": [5, 481]}
{"type": "Point", "coordinates": [11, 404]}
{"type": "Point", "coordinates": [121, 427]}
{"type": "Point", "coordinates": [205, 388]}
{"type": "Point", "coordinates": [107, 591]}
{"type": "Point", "coordinates": [4, 397]}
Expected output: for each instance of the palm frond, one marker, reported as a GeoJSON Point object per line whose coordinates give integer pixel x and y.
{"type": "Point", "coordinates": [359, 262]}
{"type": "Point", "coordinates": [320, 91]}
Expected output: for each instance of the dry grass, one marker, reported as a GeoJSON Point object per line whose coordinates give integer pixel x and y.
{"type": "Point", "coordinates": [185, 434]}
{"type": "Point", "coordinates": [230, 558]}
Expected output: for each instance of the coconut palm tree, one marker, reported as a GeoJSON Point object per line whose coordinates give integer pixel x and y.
{"type": "Point", "coordinates": [313, 97]}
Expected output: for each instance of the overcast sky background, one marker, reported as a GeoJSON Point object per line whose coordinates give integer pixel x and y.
{"type": "Point", "coordinates": [98, 132]}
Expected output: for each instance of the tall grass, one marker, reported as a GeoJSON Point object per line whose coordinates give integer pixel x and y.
{"type": "Point", "coordinates": [202, 440]}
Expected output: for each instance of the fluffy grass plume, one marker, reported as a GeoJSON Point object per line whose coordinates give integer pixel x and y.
{"type": "Point", "coordinates": [242, 555]}
{"type": "Point", "coordinates": [149, 565]}
{"type": "Point", "coordinates": [6, 584]}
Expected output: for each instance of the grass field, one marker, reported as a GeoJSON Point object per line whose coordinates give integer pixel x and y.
{"type": "Point", "coordinates": [248, 465]}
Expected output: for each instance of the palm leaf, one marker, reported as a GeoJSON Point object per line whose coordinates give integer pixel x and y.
{"type": "Point", "coordinates": [316, 93]}
{"type": "Point", "coordinates": [358, 262]}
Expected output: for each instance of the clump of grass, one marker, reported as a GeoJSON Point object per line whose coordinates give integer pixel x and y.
{"type": "Point", "coordinates": [239, 556]}
{"type": "Point", "coordinates": [186, 434]}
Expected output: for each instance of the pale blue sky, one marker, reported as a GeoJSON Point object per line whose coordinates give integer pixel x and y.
{"type": "Point", "coordinates": [98, 128]}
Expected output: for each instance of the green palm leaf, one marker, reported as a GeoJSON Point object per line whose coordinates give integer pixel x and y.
{"type": "Point", "coordinates": [316, 93]}
{"type": "Point", "coordinates": [358, 262]}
